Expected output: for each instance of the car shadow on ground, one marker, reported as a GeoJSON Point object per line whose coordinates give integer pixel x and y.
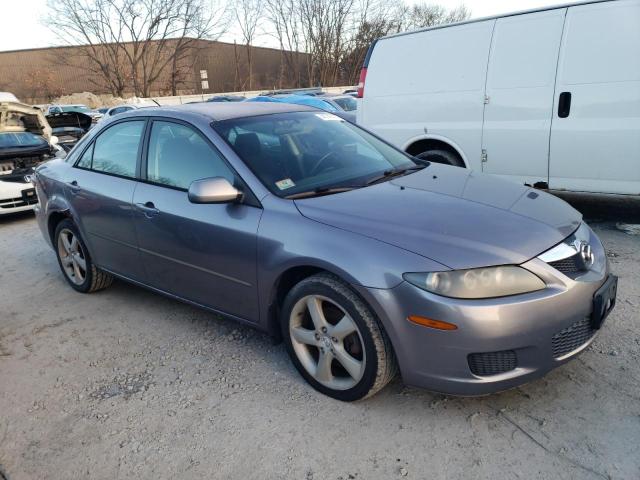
{"type": "Point", "coordinates": [604, 208]}
{"type": "Point", "coordinates": [263, 349]}
{"type": "Point", "coordinates": [16, 217]}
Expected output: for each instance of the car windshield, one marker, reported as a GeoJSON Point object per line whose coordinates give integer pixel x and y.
{"type": "Point", "coordinates": [348, 104]}
{"type": "Point", "coordinates": [310, 152]}
{"type": "Point", "coordinates": [20, 140]}
{"type": "Point", "coordinates": [75, 108]}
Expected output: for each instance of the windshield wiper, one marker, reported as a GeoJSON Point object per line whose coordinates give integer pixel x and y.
{"type": "Point", "coordinates": [396, 172]}
{"type": "Point", "coordinates": [317, 192]}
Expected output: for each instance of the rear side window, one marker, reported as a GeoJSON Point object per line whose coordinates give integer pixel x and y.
{"type": "Point", "coordinates": [178, 155]}
{"type": "Point", "coordinates": [115, 151]}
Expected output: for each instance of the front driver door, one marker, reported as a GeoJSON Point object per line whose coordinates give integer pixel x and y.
{"type": "Point", "coordinates": [205, 253]}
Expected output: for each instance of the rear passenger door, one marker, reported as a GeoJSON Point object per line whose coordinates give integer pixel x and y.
{"type": "Point", "coordinates": [205, 253]}
{"type": "Point", "coordinates": [519, 95]}
{"type": "Point", "coordinates": [100, 191]}
{"type": "Point", "coordinates": [595, 137]}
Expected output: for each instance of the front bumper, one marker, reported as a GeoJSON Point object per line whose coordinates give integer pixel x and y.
{"type": "Point", "coordinates": [541, 330]}
{"type": "Point", "coordinates": [16, 197]}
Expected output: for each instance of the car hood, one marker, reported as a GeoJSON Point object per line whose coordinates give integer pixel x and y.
{"type": "Point", "coordinates": [456, 217]}
{"type": "Point", "coordinates": [60, 121]}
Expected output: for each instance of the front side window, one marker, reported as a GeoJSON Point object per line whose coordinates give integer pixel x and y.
{"type": "Point", "coordinates": [178, 155]}
{"type": "Point", "coordinates": [115, 151]}
{"type": "Point", "coordinates": [308, 151]}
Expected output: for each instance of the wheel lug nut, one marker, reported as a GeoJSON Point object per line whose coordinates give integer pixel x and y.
{"type": "Point", "coordinates": [324, 329]}
{"type": "Point", "coordinates": [335, 340]}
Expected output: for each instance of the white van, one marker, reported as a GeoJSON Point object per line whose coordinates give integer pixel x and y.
{"type": "Point", "coordinates": [548, 97]}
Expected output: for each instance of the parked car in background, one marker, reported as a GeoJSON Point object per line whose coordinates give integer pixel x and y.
{"type": "Point", "coordinates": [8, 97]}
{"type": "Point", "coordinates": [69, 127]}
{"type": "Point", "coordinates": [25, 142]}
{"type": "Point", "coordinates": [117, 110]}
{"type": "Point", "coordinates": [362, 258]}
{"type": "Point", "coordinates": [55, 109]}
{"type": "Point", "coordinates": [347, 103]}
{"type": "Point", "coordinates": [321, 102]}
{"type": "Point", "coordinates": [549, 97]}
{"type": "Point", "coordinates": [227, 98]}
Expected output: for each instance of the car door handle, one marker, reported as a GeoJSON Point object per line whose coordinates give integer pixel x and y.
{"type": "Point", "coordinates": [564, 104]}
{"type": "Point", "coordinates": [148, 208]}
{"type": "Point", "coordinates": [73, 186]}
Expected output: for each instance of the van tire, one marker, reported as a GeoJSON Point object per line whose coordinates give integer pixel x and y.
{"type": "Point", "coordinates": [442, 156]}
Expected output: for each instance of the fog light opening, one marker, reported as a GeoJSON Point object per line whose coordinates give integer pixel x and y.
{"type": "Point", "coordinates": [431, 323]}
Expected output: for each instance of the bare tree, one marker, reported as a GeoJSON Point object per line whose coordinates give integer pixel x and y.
{"type": "Point", "coordinates": [285, 20]}
{"type": "Point", "coordinates": [248, 14]}
{"type": "Point", "coordinates": [131, 44]}
{"type": "Point", "coordinates": [422, 15]}
{"type": "Point", "coordinates": [324, 28]}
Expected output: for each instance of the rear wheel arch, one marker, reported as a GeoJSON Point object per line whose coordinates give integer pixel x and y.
{"type": "Point", "coordinates": [424, 145]}
{"type": "Point", "coordinates": [52, 222]}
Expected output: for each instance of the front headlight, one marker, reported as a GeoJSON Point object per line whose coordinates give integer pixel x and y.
{"type": "Point", "coordinates": [477, 283]}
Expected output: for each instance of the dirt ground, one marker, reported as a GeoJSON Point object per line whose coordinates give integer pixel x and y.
{"type": "Point", "coordinates": [128, 384]}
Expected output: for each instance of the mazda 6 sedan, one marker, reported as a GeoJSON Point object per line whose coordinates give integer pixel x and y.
{"type": "Point", "coordinates": [365, 261]}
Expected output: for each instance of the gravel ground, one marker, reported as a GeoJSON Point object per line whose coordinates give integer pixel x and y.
{"type": "Point", "coordinates": [128, 384]}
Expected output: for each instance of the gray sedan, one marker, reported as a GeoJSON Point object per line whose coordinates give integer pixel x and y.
{"type": "Point", "coordinates": [365, 261]}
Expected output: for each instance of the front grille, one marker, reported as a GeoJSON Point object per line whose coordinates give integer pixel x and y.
{"type": "Point", "coordinates": [572, 337]}
{"type": "Point", "coordinates": [492, 363]}
{"type": "Point", "coordinates": [17, 202]}
{"type": "Point", "coordinates": [569, 265]}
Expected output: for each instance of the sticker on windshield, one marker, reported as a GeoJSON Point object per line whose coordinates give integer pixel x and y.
{"type": "Point", "coordinates": [328, 116]}
{"type": "Point", "coordinates": [285, 183]}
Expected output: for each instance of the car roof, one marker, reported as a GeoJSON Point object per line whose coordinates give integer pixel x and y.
{"type": "Point", "coordinates": [218, 111]}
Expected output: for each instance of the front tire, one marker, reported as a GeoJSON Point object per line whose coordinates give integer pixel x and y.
{"type": "Point", "coordinates": [334, 340]}
{"type": "Point", "coordinates": [75, 261]}
{"type": "Point", "coordinates": [442, 156]}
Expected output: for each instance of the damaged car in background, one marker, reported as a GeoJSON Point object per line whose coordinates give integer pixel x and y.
{"type": "Point", "coordinates": [69, 127]}
{"type": "Point", "coordinates": [26, 140]}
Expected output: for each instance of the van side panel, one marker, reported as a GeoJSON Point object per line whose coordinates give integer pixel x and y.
{"type": "Point", "coordinates": [596, 147]}
{"type": "Point", "coordinates": [520, 88]}
{"type": "Point", "coordinates": [430, 83]}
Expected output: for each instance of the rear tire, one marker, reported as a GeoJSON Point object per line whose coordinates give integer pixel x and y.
{"type": "Point", "coordinates": [75, 261]}
{"type": "Point", "coordinates": [442, 156]}
{"type": "Point", "coordinates": [335, 341]}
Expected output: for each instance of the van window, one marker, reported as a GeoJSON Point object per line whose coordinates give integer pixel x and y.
{"type": "Point", "coordinates": [601, 43]}
{"type": "Point", "coordinates": [178, 155]}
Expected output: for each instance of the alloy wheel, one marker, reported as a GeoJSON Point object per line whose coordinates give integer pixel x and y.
{"type": "Point", "coordinates": [327, 342]}
{"type": "Point", "coordinates": [72, 256]}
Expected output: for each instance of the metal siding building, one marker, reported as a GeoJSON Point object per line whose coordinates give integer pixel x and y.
{"type": "Point", "coordinates": [39, 75]}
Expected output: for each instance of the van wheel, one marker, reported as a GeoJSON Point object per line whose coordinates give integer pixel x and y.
{"type": "Point", "coordinates": [334, 339]}
{"type": "Point", "coordinates": [442, 156]}
{"type": "Point", "coordinates": [75, 261]}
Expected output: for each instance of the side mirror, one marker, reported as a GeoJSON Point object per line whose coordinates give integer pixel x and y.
{"type": "Point", "coordinates": [213, 190]}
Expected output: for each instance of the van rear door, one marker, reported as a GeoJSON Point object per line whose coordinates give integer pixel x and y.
{"type": "Point", "coordinates": [595, 136]}
{"type": "Point", "coordinates": [519, 95]}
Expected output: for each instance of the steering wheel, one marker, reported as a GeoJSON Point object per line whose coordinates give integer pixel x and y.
{"type": "Point", "coordinates": [319, 163]}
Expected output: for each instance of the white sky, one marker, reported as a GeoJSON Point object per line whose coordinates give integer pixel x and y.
{"type": "Point", "coordinates": [23, 21]}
